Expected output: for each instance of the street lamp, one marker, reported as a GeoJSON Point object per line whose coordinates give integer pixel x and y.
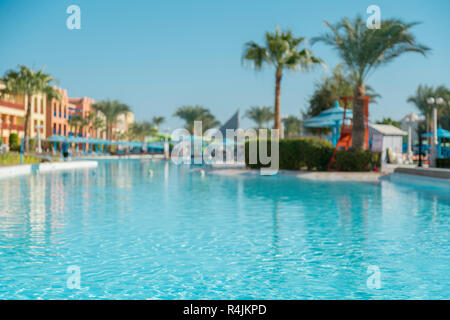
{"type": "Point", "coordinates": [435, 102]}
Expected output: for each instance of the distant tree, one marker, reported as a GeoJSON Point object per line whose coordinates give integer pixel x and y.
{"type": "Point", "coordinates": [196, 113]}
{"type": "Point", "coordinates": [328, 90]}
{"type": "Point", "coordinates": [391, 122]}
{"type": "Point", "coordinates": [364, 50]}
{"type": "Point", "coordinates": [77, 123]}
{"type": "Point", "coordinates": [419, 100]}
{"type": "Point", "coordinates": [260, 115]}
{"type": "Point", "coordinates": [157, 121]}
{"type": "Point", "coordinates": [292, 126]}
{"type": "Point", "coordinates": [281, 51]}
{"type": "Point", "coordinates": [97, 123]}
{"type": "Point", "coordinates": [29, 82]}
{"type": "Point", "coordinates": [141, 130]}
{"type": "Point", "coordinates": [111, 110]}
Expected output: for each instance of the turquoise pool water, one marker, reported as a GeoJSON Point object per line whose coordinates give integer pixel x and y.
{"type": "Point", "coordinates": [178, 235]}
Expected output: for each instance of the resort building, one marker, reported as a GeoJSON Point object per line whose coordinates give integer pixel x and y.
{"type": "Point", "coordinates": [58, 115]}
{"type": "Point", "coordinates": [81, 107]}
{"type": "Point", "coordinates": [12, 116]}
{"type": "Point", "coordinates": [38, 114]}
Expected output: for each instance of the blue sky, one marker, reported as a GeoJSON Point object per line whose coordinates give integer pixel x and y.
{"type": "Point", "coordinates": [159, 55]}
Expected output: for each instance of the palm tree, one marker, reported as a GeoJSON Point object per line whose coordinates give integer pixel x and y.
{"type": "Point", "coordinates": [363, 51]}
{"type": "Point", "coordinates": [141, 130]}
{"type": "Point", "coordinates": [328, 90]}
{"type": "Point", "coordinates": [196, 113]}
{"type": "Point", "coordinates": [260, 115]}
{"type": "Point", "coordinates": [419, 99]}
{"type": "Point", "coordinates": [157, 121]}
{"type": "Point", "coordinates": [29, 82]}
{"type": "Point", "coordinates": [281, 51]}
{"type": "Point", "coordinates": [292, 126]}
{"type": "Point", "coordinates": [111, 109]}
{"type": "Point", "coordinates": [390, 121]}
{"type": "Point", "coordinates": [97, 123]}
{"type": "Point", "coordinates": [77, 122]}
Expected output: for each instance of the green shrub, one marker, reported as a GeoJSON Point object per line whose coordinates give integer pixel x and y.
{"type": "Point", "coordinates": [14, 144]}
{"type": "Point", "coordinates": [442, 163]}
{"type": "Point", "coordinates": [352, 160]}
{"type": "Point", "coordinates": [298, 153]}
{"type": "Point", "coordinates": [10, 159]}
{"type": "Point", "coordinates": [247, 154]}
{"type": "Point", "coordinates": [315, 154]}
{"type": "Point", "coordinates": [32, 144]}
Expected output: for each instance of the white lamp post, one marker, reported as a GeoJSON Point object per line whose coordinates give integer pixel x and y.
{"type": "Point", "coordinates": [434, 102]}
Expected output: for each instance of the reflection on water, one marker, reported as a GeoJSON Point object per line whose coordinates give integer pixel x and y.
{"type": "Point", "coordinates": [176, 234]}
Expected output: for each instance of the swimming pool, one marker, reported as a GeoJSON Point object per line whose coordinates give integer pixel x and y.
{"type": "Point", "coordinates": [178, 235]}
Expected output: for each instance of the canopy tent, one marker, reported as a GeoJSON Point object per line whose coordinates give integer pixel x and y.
{"type": "Point", "coordinates": [441, 133]}
{"type": "Point", "coordinates": [91, 141]}
{"type": "Point", "coordinates": [330, 118]}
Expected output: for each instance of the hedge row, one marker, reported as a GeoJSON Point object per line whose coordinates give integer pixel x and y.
{"type": "Point", "coordinates": [442, 163]}
{"type": "Point", "coordinates": [315, 154]}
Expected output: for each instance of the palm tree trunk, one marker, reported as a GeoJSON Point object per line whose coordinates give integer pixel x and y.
{"type": "Point", "coordinates": [278, 76]}
{"type": "Point", "coordinates": [358, 129]}
{"type": "Point", "coordinates": [27, 124]}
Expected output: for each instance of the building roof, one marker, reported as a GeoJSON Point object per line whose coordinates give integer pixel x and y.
{"type": "Point", "coordinates": [232, 123]}
{"type": "Point", "coordinates": [388, 130]}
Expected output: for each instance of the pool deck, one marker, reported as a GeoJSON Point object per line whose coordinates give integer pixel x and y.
{"type": "Point", "coordinates": [411, 175]}
{"type": "Point", "coordinates": [426, 172]}
{"type": "Point", "coordinates": [120, 157]}
{"type": "Point", "coordinates": [307, 175]}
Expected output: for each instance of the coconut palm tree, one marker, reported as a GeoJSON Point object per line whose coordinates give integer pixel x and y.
{"type": "Point", "coordinates": [77, 123]}
{"type": "Point", "coordinates": [363, 51]}
{"type": "Point", "coordinates": [141, 130]}
{"type": "Point", "coordinates": [196, 113]}
{"type": "Point", "coordinates": [97, 123]}
{"type": "Point", "coordinates": [419, 99]}
{"type": "Point", "coordinates": [292, 126]}
{"type": "Point", "coordinates": [28, 82]}
{"type": "Point", "coordinates": [157, 121]}
{"type": "Point", "coordinates": [260, 115]}
{"type": "Point", "coordinates": [111, 109]}
{"type": "Point", "coordinates": [280, 51]}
